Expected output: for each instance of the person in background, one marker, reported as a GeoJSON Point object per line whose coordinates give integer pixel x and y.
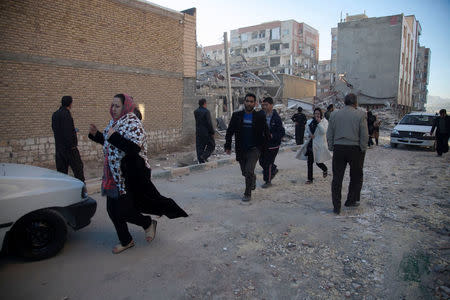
{"type": "Point", "coordinates": [66, 142]}
{"type": "Point", "coordinates": [204, 132]}
{"type": "Point", "coordinates": [442, 126]}
{"type": "Point", "coordinates": [299, 120]}
{"type": "Point", "coordinates": [330, 109]}
{"type": "Point", "coordinates": [315, 149]}
{"type": "Point", "coordinates": [376, 129]}
{"type": "Point", "coordinates": [268, 155]}
{"type": "Point", "coordinates": [370, 127]}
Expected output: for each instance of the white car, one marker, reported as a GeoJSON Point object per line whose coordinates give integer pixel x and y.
{"type": "Point", "coordinates": [36, 206]}
{"type": "Point", "coordinates": [414, 129]}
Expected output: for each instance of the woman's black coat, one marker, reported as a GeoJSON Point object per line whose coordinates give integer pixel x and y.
{"type": "Point", "coordinates": [138, 184]}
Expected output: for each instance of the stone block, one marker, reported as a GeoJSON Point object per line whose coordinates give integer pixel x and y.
{"type": "Point", "coordinates": [30, 141]}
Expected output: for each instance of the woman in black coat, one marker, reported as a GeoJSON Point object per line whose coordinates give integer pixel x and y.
{"type": "Point", "coordinates": [126, 177]}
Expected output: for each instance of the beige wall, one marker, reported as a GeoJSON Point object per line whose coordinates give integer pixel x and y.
{"type": "Point", "coordinates": [296, 87]}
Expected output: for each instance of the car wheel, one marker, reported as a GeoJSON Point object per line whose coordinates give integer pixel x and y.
{"type": "Point", "coordinates": [39, 235]}
{"type": "Point", "coordinates": [394, 145]}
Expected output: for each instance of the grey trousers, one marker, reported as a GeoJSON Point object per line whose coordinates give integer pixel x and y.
{"type": "Point", "coordinates": [248, 163]}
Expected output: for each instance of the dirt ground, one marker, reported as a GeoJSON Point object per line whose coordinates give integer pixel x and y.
{"type": "Point", "coordinates": [286, 244]}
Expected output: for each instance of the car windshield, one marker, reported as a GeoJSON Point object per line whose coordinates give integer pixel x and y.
{"type": "Point", "coordinates": [417, 120]}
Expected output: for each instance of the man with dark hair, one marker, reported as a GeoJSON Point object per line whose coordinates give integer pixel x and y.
{"type": "Point", "coordinates": [299, 120]}
{"type": "Point", "coordinates": [330, 109]}
{"type": "Point", "coordinates": [268, 155]}
{"type": "Point", "coordinates": [204, 132]}
{"type": "Point", "coordinates": [251, 134]}
{"type": "Point", "coordinates": [66, 151]}
{"type": "Point", "coordinates": [442, 125]}
{"type": "Point", "coordinates": [347, 137]}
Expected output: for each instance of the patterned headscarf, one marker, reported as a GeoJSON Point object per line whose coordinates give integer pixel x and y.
{"type": "Point", "coordinates": [130, 127]}
{"type": "Point", "coordinates": [128, 107]}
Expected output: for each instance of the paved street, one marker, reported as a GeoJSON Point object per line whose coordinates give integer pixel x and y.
{"type": "Point", "coordinates": [287, 244]}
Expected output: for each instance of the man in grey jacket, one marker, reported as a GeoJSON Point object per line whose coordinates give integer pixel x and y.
{"type": "Point", "coordinates": [347, 137]}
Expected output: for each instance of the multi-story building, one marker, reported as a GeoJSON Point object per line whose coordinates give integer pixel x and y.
{"type": "Point", "coordinates": [421, 77]}
{"type": "Point", "coordinates": [324, 77]}
{"type": "Point", "coordinates": [376, 59]}
{"type": "Point", "coordinates": [286, 46]}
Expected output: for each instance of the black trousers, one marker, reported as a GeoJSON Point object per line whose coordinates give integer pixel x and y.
{"type": "Point", "coordinates": [299, 134]}
{"type": "Point", "coordinates": [122, 210]}
{"type": "Point", "coordinates": [248, 162]}
{"type": "Point", "coordinates": [71, 158]}
{"type": "Point", "coordinates": [442, 143]}
{"type": "Point", "coordinates": [205, 146]}
{"type": "Point", "coordinates": [310, 161]}
{"type": "Point", "coordinates": [267, 162]}
{"type": "Point", "coordinates": [343, 155]}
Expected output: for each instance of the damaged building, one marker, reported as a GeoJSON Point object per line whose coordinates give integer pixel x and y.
{"type": "Point", "coordinates": [376, 59]}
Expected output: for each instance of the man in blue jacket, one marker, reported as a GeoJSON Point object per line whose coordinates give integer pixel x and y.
{"type": "Point", "coordinates": [251, 133]}
{"type": "Point", "coordinates": [267, 158]}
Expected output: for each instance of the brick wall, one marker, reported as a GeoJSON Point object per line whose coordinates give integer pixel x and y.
{"type": "Point", "coordinates": [92, 50]}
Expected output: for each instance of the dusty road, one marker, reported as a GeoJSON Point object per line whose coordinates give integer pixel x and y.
{"type": "Point", "coordinates": [287, 244]}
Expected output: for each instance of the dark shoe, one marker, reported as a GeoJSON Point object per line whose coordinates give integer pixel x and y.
{"type": "Point", "coordinates": [266, 185]}
{"type": "Point", "coordinates": [246, 198]}
{"type": "Point", "coordinates": [309, 182]}
{"type": "Point", "coordinates": [325, 174]}
{"type": "Point", "coordinates": [337, 211]}
{"type": "Point", "coordinates": [274, 173]}
{"type": "Point", "coordinates": [354, 204]}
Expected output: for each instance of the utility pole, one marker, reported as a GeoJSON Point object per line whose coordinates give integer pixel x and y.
{"type": "Point", "coordinates": [227, 70]}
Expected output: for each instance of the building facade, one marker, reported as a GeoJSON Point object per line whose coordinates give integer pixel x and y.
{"type": "Point", "coordinates": [324, 77]}
{"type": "Point", "coordinates": [286, 46]}
{"type": "Point", "coordinates": [79, 48]}
{"type": "Point", "coordinates": [376, 57]}
{"type": "Point", "coordinates": [215, 53]}
{"type": "Point", "coordinates": [421, 78]}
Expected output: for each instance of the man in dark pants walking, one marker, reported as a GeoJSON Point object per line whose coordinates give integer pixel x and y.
{"type": "Point", "coordinates": [299, 120]}
{"type": "Point", "coordinates": [251, 135]}
{"type": "Point", "coordinates": [66, 151]}
{"type": "Point", "coordinates": [347, 137]}
{"type": "Point", "coordinates": [267, 158]}
{"type": "Point", "coordinates": [204, 132]}
{"type": "Point", "coordinates": [442, 126]}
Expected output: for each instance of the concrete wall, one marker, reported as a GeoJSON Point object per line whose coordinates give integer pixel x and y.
{"type": "Point", "coordinates": [90, 49]}
{"type": "Point", "coordinates": [369, 53]}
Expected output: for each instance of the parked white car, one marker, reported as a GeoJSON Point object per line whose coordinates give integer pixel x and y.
{"type": "Point", "coordinates": [414, 129]}
{"type": "Point", "coordinates": [36, 206]}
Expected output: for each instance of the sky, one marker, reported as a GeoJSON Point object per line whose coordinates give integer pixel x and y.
{"type": "Point", "coordinates": [215, 17]}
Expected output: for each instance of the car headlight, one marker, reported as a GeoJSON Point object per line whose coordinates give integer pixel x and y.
{"type": "Point", "coordinates": [84, 193]}
{"type": "Point", "coordinates": [394, 132]}
{"type": "Point", "coordinates": [426, 134]}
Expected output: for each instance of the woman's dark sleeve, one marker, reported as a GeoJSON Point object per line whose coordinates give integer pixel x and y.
{"type": "Point", "coordinates": [98, 137]}
{"type": "Point", "coordinates": [123, 144]}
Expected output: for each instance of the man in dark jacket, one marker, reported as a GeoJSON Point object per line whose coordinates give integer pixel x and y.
{"type": "Point", "coordinates": [299, 120]}
{"type": "Point", "coordinates": [66, 151]}
{"type": "Point", "coordinates": [442, 126]}
{"type": "Point", "coordinates": [251, 135]}
{"type": "Point", "coordinates": [267, 158]}
{"type": "Point", "coordinates": [204, 132]}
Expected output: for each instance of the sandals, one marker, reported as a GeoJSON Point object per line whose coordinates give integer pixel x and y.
{"type": "Point", "coordinates": [150, 232]}
{"type": "Point", "coordinates": [119, 248]}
